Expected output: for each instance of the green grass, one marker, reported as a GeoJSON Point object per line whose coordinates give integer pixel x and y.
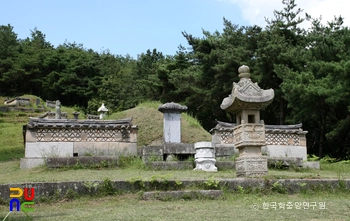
{"type": "Point", "coordinates": [232, 207]}
{"type": "Point", "coordinates": [11, 173]}
{"type": "Point", "coordinates": [11, 142]}
{"type": "Point", "coordinates": [11, 123]}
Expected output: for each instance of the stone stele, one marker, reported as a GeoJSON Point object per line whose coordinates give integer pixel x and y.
{"type": "Point", "coordinates": [245, 101]}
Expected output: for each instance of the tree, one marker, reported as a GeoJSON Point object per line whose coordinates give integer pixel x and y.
{"type": "Point", "coordinates": [281, 44]}
{"type": "Point", "coordinates": [319, 93]}
{"type": "Point", "coordinates": [10, 70]}
{"type": "Point", "coordinates": [35, 58]}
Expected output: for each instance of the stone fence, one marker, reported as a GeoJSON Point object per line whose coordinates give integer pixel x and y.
{"type": "Point", "coordinates": [281, 140]}
{"type": "Point", "coordinates": [18, 101]}
{"type": "Point", "coordinates": [72, 138]}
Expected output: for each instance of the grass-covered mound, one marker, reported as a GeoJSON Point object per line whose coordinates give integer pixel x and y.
{"type": "Point", "coordinates": [150, 123]}
{"type": "Point", "coordinates": [146, 116]}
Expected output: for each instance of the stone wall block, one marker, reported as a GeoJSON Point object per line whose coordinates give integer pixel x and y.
{"type": "Point", "coordinates": [49, 149]}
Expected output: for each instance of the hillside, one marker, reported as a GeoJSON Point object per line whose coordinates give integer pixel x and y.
{"type": "Point", "coordinates": [146, 116]}
{"type": "Point", "coordinates": [11, 123]}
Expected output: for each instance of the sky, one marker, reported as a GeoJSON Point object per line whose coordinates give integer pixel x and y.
{"type": "Point", "coordinates": [133, 26]}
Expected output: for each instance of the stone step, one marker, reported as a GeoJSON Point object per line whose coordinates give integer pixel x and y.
{"type": "Point", "coordinates": [182, 194]}
{"type": "Point", "coordinates": [54, 162]}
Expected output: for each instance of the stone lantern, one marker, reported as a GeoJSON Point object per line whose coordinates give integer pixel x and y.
{"type": "Point", "coordinates": [102, 110]}
{"type": "Point", "coordinates": [245, 101]}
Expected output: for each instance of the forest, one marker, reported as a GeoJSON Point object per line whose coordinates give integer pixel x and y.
{"type": "Point", "coordinates": [309, 69]}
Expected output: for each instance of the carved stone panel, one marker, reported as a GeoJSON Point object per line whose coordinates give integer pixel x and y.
{"type": "Point", "coordinates": [251, 166]}
{"type": "Point", "coordinates": [249, 135]}
{"type": "Point", "coordinates": [282, 139]}
{"type": "Point", "coordinates": [82, 134]}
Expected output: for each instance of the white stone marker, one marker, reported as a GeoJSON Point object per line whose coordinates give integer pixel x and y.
{"type": "Point", "coordinates": [205, 157]}
{"type": "Point", "coordinates": [172, 121]}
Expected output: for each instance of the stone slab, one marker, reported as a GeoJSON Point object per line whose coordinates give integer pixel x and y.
{"type": "Point", "coordinates": [174, 165]}
{"type": "Point", "coordinates": [86, 161]}
{"type": "Point", "coordinates": [179, 148]}
{"type": "Point", "coordinates": [172, 127]}
{"type": "Point", "coordinates": [286, 151]}
{"type": "Point", "coordinates": [152, 150]}
{"type": "Point", "coordinates": [312, 165]}
{"type": "Point", "coordinates": [30, 136]}
{"type": "Point", "coordinates": [105, 148]}
{"type": "Point", "coordinates": [49, 149]}
{"type": "Point", "coordinates": [225, 150]}
{"type": "Point", "coordinates": [28, 163]}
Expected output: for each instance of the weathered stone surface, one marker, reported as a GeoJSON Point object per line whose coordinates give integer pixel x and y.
{"type": "Point", "coordinates": [86, 161]}
{"type": "Point", "coordinates": [152, 153]}
{"type": "Point", "coordinates": [27, 163]}
{"type": "Point", "coordinates": [246, 94]}
{"type": "Point", "coordinates": [30, 136]}
{"type": "Point", "coordinates": [182, 194]}
{"type": "Point", "coordinates": [249, 135]}
{"type": "Point", "coordinates": [172, 107]}
{"type": "Point", "coordinates": [222, 150]}
{"type": "Point", "coordinates": [179, 148]}
{"type": "Point", "coordinates": [49, 149]}
{"type": "Point", "coordinates": [170, 165]}
{"type": "Point", "coordinates": [58, 110]}
{"type": "Point", "coordinates": [312, 165]}
{"type": "Point", "coordinates": [50, 104]}
{"type": "Point", "coordinates": [70, 123]}
{"type": "Point", "coordinates": [250, 166]}
{"type": "Point", "coordinates": [18, 101]}
{"type": "Point", "coordinates": [92, 117]}
{"type": "Point", "coordinates": [172, 127]}
{"type": "Point", "coordinates": [105, 148]}
{"type": "Point", "coordinates": [152, 150]}
{"type": "Point", "coordinates": [286, 151]}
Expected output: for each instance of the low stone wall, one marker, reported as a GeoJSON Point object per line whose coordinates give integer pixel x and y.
{"type": "Point", "coordinates": [281, 140]}
{"type": "Point", "coordinates": [18, 101]}
{"type": "Point", "coordinates": [46, 138]}
{"type": "Point", "coordinates": [175, 165]}
{"type": "Point", "coordinates": [84, 161]}
{"type": "Point", "coordinates": [22, 109]}
{"type": "Point", "coordinates": [49, 189]}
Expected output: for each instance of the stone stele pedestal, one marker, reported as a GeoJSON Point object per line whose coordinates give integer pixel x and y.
{"type": "Point", "coordinates": [246, 100]}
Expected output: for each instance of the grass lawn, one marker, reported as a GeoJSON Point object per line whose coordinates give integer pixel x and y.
{"type": "Point", "coordinates": [11, 173]}
{"type": "Point", "coordinates": [232, 207]}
